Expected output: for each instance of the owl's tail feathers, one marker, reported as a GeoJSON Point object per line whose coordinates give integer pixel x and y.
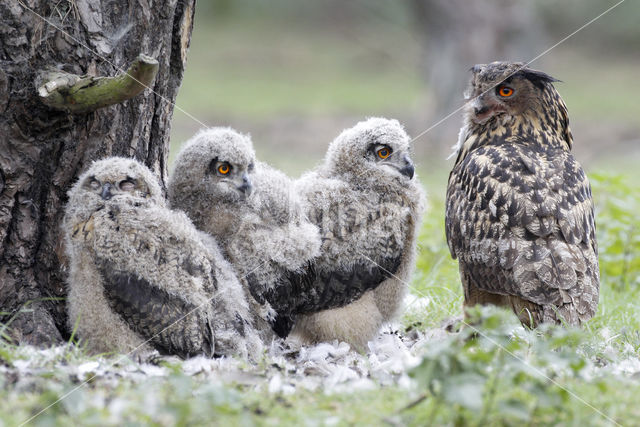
{"type": "Point", "coordinates": [575, 312]}
{"type": "Point", "coordinates": [579, 303]}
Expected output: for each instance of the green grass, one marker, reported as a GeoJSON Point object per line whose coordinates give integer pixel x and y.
{"type": "Point", "coordinates": [259, 69]}
{"type": "Point", "coordinates": [463, 379]}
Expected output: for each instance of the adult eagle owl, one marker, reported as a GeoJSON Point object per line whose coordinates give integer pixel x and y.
{"type": "Point", "coordinates": [519, 213]}
{"type": "Point", "coordinates": [142, 277]}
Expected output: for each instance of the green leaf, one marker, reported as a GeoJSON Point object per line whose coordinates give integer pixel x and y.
{"type": "Point", "coordinates": [465, 390]}
{"type": "Point", "coordinates": [514, 408]}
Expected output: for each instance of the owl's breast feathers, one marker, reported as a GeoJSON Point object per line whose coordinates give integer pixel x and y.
{"type": "Point", "coordinates": [519, 218]}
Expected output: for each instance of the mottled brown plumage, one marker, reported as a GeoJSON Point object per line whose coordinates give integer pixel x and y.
{"type": "Point", "coordinates": [519, 213]}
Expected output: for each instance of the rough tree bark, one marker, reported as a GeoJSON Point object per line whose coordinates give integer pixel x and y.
{"type": "Point", "coordinates": [43, 149]}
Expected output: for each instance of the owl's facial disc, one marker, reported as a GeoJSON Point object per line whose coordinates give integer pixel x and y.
{"type": "Point", "coordinates": [493, 102]}
{"type": "Point", "coordinates": [504, 89]}
{"type": "Point", "coordinates": [396, 161]}
{"type": "Point", "coordinates": [122, 186]}
{"type": "Point", "coordinates": [234, 177]}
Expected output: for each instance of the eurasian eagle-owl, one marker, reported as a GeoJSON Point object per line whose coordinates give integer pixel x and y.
{"type": "Point", "coordinates": [519, 213]}
{"type": "Point", "coordinates": [368, 204]}
{"type": "Point", "coordinates": [251, 209]}
{"type": "Point", "coordinates": [270, 240]}
{"type": "Point", "coordinates": [142, 277]}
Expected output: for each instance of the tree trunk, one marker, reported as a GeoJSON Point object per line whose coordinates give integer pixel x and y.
{"type": "Point", "coordinates": [457, 34]}
{"type": "Point", "coordinates": [43, 149]}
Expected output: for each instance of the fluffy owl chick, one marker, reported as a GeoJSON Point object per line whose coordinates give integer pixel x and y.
{"type": "Point", "coordinates": [519, 214]}
{"type": "Point", "coordinates": [368, 204]}
{"type": "Point", "coordinates": [251, 210]}
{"type": "Point", "coordinates": [143, 277]}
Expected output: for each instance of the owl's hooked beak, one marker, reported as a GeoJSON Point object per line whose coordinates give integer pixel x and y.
{"type": "Point", "coordinates": [407, 169]}
{"type": "Point", "coordinates": [246, 187]}
{"type": "Point", "coordinates": [480, 109]}
{"type": "Point", "coordinates": [402, 164]}
{"type": "Point", "coordinates": [484, 108]}
{"type": "Point", "coordinates": [106, 191]}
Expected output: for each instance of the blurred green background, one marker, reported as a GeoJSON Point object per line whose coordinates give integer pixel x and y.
{"type": "Point", "coordinates": [293, 74]}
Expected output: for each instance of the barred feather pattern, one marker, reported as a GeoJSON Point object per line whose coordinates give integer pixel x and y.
{"type": "Point", "coordinates": [520, 217]}
{"type": "Point", "coordinates": [164, 283]}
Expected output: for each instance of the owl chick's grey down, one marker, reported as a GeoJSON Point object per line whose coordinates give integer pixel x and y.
{"type": "Point", "coordinates": [368, 204]}
{"type": "Point", "coordinates": [142, 277]}
{"type": "Point", "coordinates": [519, 213]}
{"type": "Point", "coordinates": [251, 210]}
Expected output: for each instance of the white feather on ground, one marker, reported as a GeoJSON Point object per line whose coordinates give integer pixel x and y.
{"type": "Point", "coordinates": [325, 367]}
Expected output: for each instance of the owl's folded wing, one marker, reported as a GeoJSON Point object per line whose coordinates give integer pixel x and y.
{"type": "Point", "coordinates": [525, 229]}
{"type": "Point", "coordinates": [316, 288]}
{"type": "Point", "coordinates": [156, 276]}
{"type": "Point", "coordinates": [330, 288]}
{"type": "Point", "coordinates": [167, 321]}
{"type": "Point", "coordinates": [361, 248]}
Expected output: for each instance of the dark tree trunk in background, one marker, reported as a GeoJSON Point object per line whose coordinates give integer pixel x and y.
{"type": "Point", "coordinates": [457, 34]}
{"type": "Point", "coordinates": [43, 150]}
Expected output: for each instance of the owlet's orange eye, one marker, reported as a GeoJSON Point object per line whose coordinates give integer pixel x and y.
{"type": "Point", "coordinates": [384, 152]}
{"type": "Point", "coordinates": [224, 169]}
{"type": "Point", "coordinates": [505, 91]}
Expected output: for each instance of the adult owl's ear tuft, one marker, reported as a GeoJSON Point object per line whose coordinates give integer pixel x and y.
{"type": "Point", "coordinates": [538, 78]}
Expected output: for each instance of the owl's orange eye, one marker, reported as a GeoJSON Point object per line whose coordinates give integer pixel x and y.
{"type": "Point", "coordinates": [224, 169]}
{"type": "Point", "coordinates": [384, 152]}
{"type": "Point", "coordinates": [505, 91]}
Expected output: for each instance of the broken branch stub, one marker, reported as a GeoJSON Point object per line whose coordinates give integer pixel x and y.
{"type": "Point", "coordinates": [83, 94]}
